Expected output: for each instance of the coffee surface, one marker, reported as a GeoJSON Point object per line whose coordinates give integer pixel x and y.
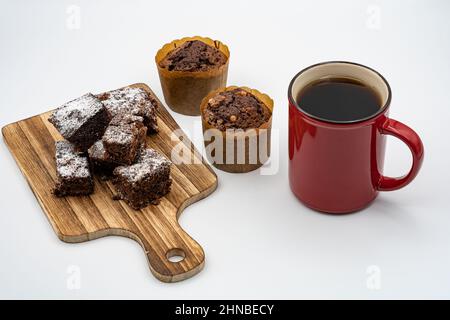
{"type": "Point", "coordinates": [339, 99]}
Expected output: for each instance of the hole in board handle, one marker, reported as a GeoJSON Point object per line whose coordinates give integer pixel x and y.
{"type": "Point", "coordinates": [175, 255]}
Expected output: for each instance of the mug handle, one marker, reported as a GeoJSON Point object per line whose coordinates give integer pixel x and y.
{"type": "Point", "coordinates": [409, 136]}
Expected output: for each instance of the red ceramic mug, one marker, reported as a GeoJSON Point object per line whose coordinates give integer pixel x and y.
{"type": "Point", "coordinates": [337, 167]}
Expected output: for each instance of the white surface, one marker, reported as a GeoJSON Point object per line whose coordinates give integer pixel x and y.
{"type": "Point", "coordinates": [260, 242]}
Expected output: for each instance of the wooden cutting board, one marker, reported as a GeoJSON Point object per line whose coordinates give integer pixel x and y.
{"type": "Point", "coordinates": [78, 219]}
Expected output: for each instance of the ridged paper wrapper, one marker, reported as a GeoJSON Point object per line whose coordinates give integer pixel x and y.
{"type": "Point", "coordinates": [239, 152]}
{"type": "Point", "coordinates": [184, 90]}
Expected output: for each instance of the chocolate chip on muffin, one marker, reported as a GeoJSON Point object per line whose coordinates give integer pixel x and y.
{"type": "Point", "coordinates": [236, 109]}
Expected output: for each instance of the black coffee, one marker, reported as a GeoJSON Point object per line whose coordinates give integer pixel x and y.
{"type": "Point", "coordinates": [339, 99]}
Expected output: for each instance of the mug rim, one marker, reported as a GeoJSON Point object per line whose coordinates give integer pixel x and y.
{"type": "Point", "coordinates": [380, 111]}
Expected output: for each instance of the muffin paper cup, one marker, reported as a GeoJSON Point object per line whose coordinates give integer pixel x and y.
{"type": "Point", "coordinates": [184, 90]}
{"type": "Point", "coordinates": [237, 151]}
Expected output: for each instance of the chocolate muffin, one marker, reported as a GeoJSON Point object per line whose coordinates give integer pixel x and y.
{"type": "Point", "coordinates": [189, 69]}
{"type": "Point", "coordinates": [235, 109]}
{"type": "Point", "coordinates": [237, 121]}
{"type": "Point", "coordinates": [193, 56]}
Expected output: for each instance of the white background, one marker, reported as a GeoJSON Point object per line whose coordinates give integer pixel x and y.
{"type": "Point", "coordinates": [260, 242]}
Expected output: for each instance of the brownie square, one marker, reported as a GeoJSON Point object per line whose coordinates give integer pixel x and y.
{"type": "Point", "coordinates": [101, 161]}
{"type": "Point", "coordinates": [81, 121]}
{"type": "Point", "coordinates": [72, 170]}
{"type": "Point", "coordinates": [123, 138]}
{"type": "Point", "coordinates": [145, 181]}
{"type": "Point", "coordinates": [134, 101]}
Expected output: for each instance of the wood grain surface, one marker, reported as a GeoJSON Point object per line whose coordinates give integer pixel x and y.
{"type": "Point", "coordinates": [78, 219]}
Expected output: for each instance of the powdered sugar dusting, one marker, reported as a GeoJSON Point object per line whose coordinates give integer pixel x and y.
{"type": "Point", "coordinates": [97, 151]}
{"type": "Point", "coordinates": [125, 118]}
{"type": "Point", "coordinates": [129, 100]}
{"type": "Point", "coordinates": [69, 163]}
{"type": "Point", "coordinates": [123, 129]}
{"type": "Point", "coordinates": [72, 115]}
{"type": "Point", "coordinates": [118, 135]}
{"type": "Point", "coordinates": [149, 161]}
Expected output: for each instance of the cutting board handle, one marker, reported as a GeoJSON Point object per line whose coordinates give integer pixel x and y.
{"type": "Point", "coordinates": [173, 256]}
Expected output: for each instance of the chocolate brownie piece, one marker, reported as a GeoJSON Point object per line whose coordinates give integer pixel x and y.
{"type": "Point", "coordinates": [101, 161]}
{"type": "Point", "coordinates": [236, 109]}
{"type": "Point", "coordinates": [145, 181]}
{"type": "Point", "coordinates": [72, 172]}
{"type": "Point", "coordinates": [193, 56]}
{"type": "Point", "coordinates": [124, 137]}
{"type": "Point", "coordinates": [134, 101]}
{"type": "Point", "coordinates": [81, 121]}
